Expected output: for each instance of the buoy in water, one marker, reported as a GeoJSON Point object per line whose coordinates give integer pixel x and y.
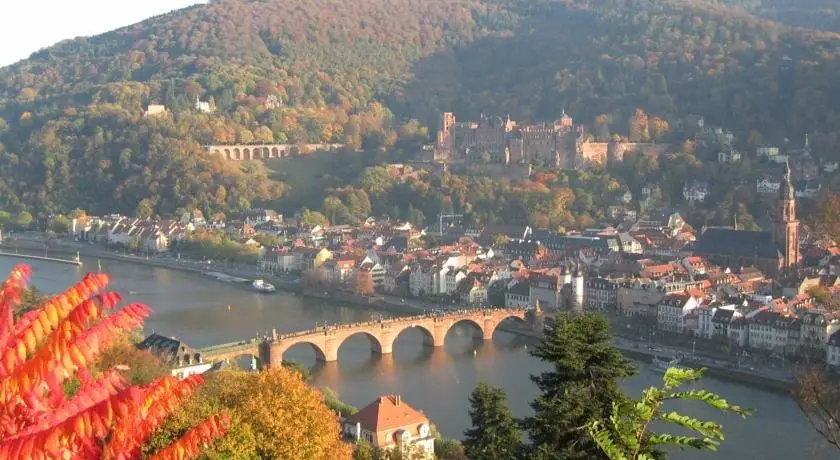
{"type": "Point", "coordinates": [228, 307]}
{"type": "Point", "coordinates": [475, 352]}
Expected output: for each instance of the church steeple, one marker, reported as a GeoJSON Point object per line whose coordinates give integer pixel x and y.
{"type": "Point", "coordinates": [786, 226]}
{"type": "Point", "coordinates": [786, 191]}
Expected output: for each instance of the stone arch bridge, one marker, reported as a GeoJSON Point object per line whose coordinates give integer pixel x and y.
{"type": "Point", "coordinates": [382, 334]}
{"type": "Point", "coordinates": [247, 152]}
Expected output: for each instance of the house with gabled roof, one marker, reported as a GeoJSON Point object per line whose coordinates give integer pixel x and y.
{"type": "Point", "coordinates": [389, 423]}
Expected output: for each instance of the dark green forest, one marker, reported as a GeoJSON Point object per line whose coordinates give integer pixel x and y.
{"type": "Point", "coordinates": [371, 74]}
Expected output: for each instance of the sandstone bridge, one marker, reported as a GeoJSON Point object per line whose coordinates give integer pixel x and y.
{"type": "Point", "coordinates": [382, 334]}
{"type": "Point", "coordinates": [246, 152]}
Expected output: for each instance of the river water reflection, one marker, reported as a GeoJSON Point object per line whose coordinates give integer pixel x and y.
{"type": "Point", "coordinates": [438, 381]}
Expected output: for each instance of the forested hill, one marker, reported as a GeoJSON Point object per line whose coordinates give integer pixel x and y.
{"type": "Point", "coordinates": [72, 130]}
{"type": "Point", "coordinates": [812, 14]}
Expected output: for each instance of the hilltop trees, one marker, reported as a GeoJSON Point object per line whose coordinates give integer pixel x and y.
{"type": "Point", "coordinates": [51, 349]}
{"type": "Point", "coordinates": [582, 386]}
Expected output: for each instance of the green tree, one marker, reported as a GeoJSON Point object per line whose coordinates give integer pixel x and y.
{"type": "Point", "coordinates": [308, 217]}
{"type": "Point", "coordinates": [375, 179]}
{"type": "Point", "coordinates": [23, 219]}
{"type": "Point", "coordinates": [145, 209]}
{"type": "Point", "coordinates": [494, 433]}
{"type": "Point", "coordinates": [625, 434]}
{"type": "Point", "coordinates": [581, 386]}
{"type": "Point", "coordinates": [60, 224]}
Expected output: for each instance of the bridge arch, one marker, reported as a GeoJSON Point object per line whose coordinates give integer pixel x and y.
{"type": "Point", "coordinates": [491, 327]}
{"type": "Point", "coordinates": [429, 337]}
{"type": "Point", "coordinates": [375, 342]}
{"type": "Point", "coordinates": [274, 152]}
{"type": "Point", "coordinates": [320, 353]}
{"type": "Point", "coordinates": [266, 153]}
{"type": "Point", "coordinates": [246, 154]}
{"type": "Point", "coordinates": [227, 154]}
{"type": "Point", "coordinates": [237, 155]}
{"type": "Point", "coordinates": [476, 326]}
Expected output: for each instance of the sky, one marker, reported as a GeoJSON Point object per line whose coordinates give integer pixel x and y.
{"type": "Point", "coordinates": [27, 26]}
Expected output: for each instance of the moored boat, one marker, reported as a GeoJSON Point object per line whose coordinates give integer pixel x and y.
{"type": "Point", "coordinates": [262, 286]}
{"type": "Point", "coordinates": [663, 364]}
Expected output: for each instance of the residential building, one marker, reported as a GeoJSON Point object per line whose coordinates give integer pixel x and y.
{"type": "Point", "coordinates": [768, 185]}
{"type": "Point", "coordinates": [808, 189]}
{"type": "Point", "coordinates": [771, 331]}
{"type": "Point", "coordinates": [601, 294]}
{"type": "Point", "coordinates": [377, 274]}
{"type": "Point", "coordinates": [696, 191]}
{"type": "Point", "coordinates": [389, 422]}
{"type": "Point", "coordinates": [813, 330]}
{"type": "Point", "coordinates": [453, 277]}
{"type": "Point", "coordinates": [183, 359]}
{"type": "Point", "coordinates": [833, 350]}
{"type": "Point", "coordinates": [278, 260]}
{"type": "Point", "coordinates": [639, 298]}
{"type": "Point", "coordinates": [546, 289]}
{"type": "Point", "coordinates": [766, 151]}
{"type": "Point", "coordinates": [518, 295]}
{"type": "Point", "coordinates": [729, 156]}
{"type": "Point", "coordinates": [154, 109]}
{"type": "Point", "coordinates": [672, 310]}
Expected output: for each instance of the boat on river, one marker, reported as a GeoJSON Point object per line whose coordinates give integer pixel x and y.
{"type": "Point", "coordinates": [262, 286]}
{"type": "Point", "coordinates": [663, 364]}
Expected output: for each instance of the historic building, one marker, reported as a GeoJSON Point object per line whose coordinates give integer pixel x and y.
{"type": "Point", "coordinates": [772, 252]}
{"type": "Point", "coordinates": [502, 141]}
{"type": "Point", "coordinates": [506, 141]}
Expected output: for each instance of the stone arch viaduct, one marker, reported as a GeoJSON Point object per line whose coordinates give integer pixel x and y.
{"type": "Point", "coordinates": [382, 334]}
{"type": "Point", "coordinates": [247, 152]}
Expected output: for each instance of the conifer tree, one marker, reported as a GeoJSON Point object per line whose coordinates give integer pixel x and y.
{"type": "Point", "coordinates": [580, 387]}
{"type": "Point", "coordinates": [494, 433]}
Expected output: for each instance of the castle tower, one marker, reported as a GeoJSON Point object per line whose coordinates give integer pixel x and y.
{"type": "Point", "coordinates": [565, 120]}
{"type": "Point", "coordinates": [786, 227]}
{"type": "Point", "coordinates": [578, 287]}
{"type": "Point", "coordinates": [566, 275]}
{"type": "Point", "coordinates": [444, 135]}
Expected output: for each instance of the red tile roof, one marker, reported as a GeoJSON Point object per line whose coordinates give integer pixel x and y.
{"type": "Point", "coordinates": [387, 413]}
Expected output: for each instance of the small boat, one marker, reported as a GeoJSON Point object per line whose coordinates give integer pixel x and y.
{"type": "Point", "coordinates": [262, 286]}
{"type": "Point", "coordinates": [663, 364]}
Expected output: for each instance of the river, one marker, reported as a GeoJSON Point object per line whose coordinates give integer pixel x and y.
{"type": "Point", "coordinates": [437, 381]}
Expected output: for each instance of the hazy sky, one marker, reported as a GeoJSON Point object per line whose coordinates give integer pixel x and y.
{"type": "Point", "coordinates": [29, 25]}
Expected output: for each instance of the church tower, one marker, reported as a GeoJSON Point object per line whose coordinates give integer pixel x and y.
{"type": "Point", "coordinates": [786, 227]}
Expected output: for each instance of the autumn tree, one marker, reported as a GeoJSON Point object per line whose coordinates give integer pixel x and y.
{"type": "Point", "coordinates": [274, 414]}
{"type": "Point", "coordinates": [826, 217]}
{"type": "Point", "coordinates": [363, 282]}
{"type": "Point", "coordinates": [104, 417]}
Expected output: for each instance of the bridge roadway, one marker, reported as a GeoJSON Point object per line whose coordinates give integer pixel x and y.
{"type": "Point", "coordinates": [326, 340]}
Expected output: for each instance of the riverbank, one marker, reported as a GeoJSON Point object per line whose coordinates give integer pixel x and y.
{"type": "Point", "coordinates": [633, 349]}
{"type": "Point", "coordinates": [183, 265]}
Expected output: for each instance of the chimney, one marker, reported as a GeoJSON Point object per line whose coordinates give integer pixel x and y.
{"type": "Point", "coordinates": [397, 399]}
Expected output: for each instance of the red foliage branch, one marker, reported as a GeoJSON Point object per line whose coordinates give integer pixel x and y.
{"type": "Point", "coordinates": [59, 341]}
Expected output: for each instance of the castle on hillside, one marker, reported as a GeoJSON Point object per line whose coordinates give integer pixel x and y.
{"type": "Point", "coordinates": [561, 144]}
